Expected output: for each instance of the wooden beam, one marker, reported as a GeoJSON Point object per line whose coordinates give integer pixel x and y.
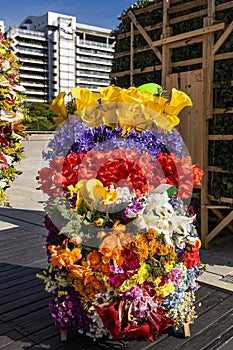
{"type": "Point", "coordinates": [191, 34]}
{"type": "Point", "coordinates": [222, 110]}
{"type": "Point", "coordinates": [136, 71]}
{"type": "Point", "coordinates": [144, 34]}
{"type": "Point", "coordinates": [221, 217]}
{"type": "Point", "coordinates": [223, 56]}
{"type": "Point", "coordinates": [224, 6]}
{"type": "Point", "coordinates": [136, 32]}
{"type": "Point", "coordinates": [208, 70]}
{"type": "Point", "coordinates": [186, 42]}
{"type": "Point", "coordinates": [220, 227]}
{"type": "Point", "coordinates": [166, 52]}
{"type": "Point", "coordinates": [223, 38]}
{"type": "Point", "coordinates": [216, 169]}
{"type": "Point", "coordinates": [221, 199]}
{"type": "Point", "coordinates": [131, 53]}
{"type": "Point", "coordinates": [189, 16]}
{"type": "Point", "coordinates": [187, 62]}
{"type": "Point", "coordinates": [220, 137]}
{"type": "Point", "coordinates": [145, 9]}
{"type": "Point", "coordinates": [187, 6]}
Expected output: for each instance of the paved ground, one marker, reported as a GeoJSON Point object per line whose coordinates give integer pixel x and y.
{"type": "Point", "coordinates": [24, 223]}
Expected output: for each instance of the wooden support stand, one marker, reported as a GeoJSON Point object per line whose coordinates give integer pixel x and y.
{"type": "Point", "coordinates": [63, 336]}
{"type": "Point", "coordinates": [187, 330]}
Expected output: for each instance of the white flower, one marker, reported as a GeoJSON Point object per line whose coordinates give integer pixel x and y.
{"type": "Point", "coordinates": [5, 65]}
{"type": "Point", "coordinates": [3, 184]}
{"type": "Point", "coordinates": [20, 88]}
{"type": "Point", "coordinates": [11, 116]}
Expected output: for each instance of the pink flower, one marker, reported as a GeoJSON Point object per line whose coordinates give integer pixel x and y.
{"type": "Point", "coordinates": [5, 161]}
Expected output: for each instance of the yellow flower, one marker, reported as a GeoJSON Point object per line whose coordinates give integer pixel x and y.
{"type": "Point", "coordinates": [110, 94]}
{"type": "Point", "coordinates": [165, 290]}
{"type": "Point", "coordinates": [127, 284]}
{"type": "Point", "coordinates": [92, 191]}
{"type": "Point", "coordinates": [58, 106]}
{"type": "Point", "coordinates": [178, 101]}
{"type": "Point", "coordinates": [167, 266]}
{"type": "Point", "coordinates": [142, 274]}
{"type": "Point", "coordinates": [84, 98]}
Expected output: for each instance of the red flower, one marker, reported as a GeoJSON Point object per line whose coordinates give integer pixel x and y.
{"type": "Point", "coordinates": [50, 178]}
{"type": "Point", "coordinates": [191, 256]}
{"type": "Point", "coordinates": [117, 323]}
{"type": "Point", "coordinates": [70, 169]}
{"type": "Point", "coordinates": [180, 173]}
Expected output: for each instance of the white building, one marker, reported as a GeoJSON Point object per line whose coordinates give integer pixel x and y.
{"type": "Point", "coordinates": [57, 54]}
{"type": "Point", "coordinates": [2, 26]}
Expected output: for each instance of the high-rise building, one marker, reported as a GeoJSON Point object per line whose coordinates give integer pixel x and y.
{"type": "Point", "coordinates": [57, 54]}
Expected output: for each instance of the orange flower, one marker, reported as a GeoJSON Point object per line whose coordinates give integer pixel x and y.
{"type": "Point", "coordinates": [163, 250]}
{"type": "Point", "coordinates": [78, 272]}
{"type": "Point", "coordinates": [115, 244]}
{"type": "Point", "coordinates": [141, 248]}
{"type": "Point", "coordinates": [151, 234]}
{"type": "Point", "coordinates": [94, 259]}
{"type": "Point", "coordinates": [64, 257]}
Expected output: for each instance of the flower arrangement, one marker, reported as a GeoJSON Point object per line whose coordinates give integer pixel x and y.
{"type": "Point", "coordinates": [123, 250]}
{"type": "Point", "coordinates": [12, 112]}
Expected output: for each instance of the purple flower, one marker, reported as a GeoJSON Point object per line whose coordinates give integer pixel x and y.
{"type": "Point", "coordinates": [131, 262]}
{"type": "Point", "coordinates": [132, 210]}
{"type": "Point", "coordinates": [175, 276]}
{"type": "Point", "coordinates": [117, 280]}
{"type": "Point", "coordinates": [68, 312]}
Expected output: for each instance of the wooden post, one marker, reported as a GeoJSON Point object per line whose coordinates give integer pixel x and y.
{"type": "Point", "coordinates": [166, 52]}
{"type": "Point", "coordinates": [131, 53]}
{"type": "Point", "coordinates": [63, 336]}
{"type": "Point", "coordinates": [208, 68]}
{"type": "Point", "coordinates": [187, 332]}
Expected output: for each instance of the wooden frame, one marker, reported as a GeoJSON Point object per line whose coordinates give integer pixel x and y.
{"type": "Point", "coordinates": [162, 49]}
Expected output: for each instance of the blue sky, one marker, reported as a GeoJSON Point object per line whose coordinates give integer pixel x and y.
{"type": "Point", "coordinates": [101, 13]}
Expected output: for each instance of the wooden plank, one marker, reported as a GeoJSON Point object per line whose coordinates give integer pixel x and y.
{"type": "Point", "coordinates": [208, 69]}
{"type": "Point", "coordinates": [136, 71]}
{"type": "Point", "coordinates": [131, 53]}
{"type": "Point", "coordinates": [220, 137]}
{"type": "Point", "coordinates": [203, 322]}
{"type": "Point", "coordinates": [222, 110]}
{"type": "Point", "coordinates": [221, 217]}
{"type": "Point", "coordinates": [223, 38]}
{"type": "Point", "coordinates": [216, 169]}
{"type": "Point", "coordinates": [187, 6]}
{"type": "Point", "coordinates": [186, 42]}
{"type": "Point", "coordinates": [189, 16]}
{"type": "Point", "coordinates": [206, 337]}
{"type": "Point", "coordinates": [225, 6]}
{"type": "Point", "coordinates": [221, 199]}
{"type": "Point", "coordinates": [166, 52]}
{"type": "Point", "coordinates": [219, 227]}
{"type": "Point", "coordinates": [193, 33]}
{"type": "Point", "coordinates": [187, 62]}
{"type": "Point", "coordinates": [223, 56]}
{"type": "Point", "coordinates": [136, 32]}
{"type": "Point", "coordinates": [144, 34]}
{"type": "Point", "coordinates": [146, 9]}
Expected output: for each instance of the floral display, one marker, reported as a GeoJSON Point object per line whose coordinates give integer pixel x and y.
{"type": "Point", "coordinates": [12, 112]}
{"type": "Point", "coordinates": [122, 245]}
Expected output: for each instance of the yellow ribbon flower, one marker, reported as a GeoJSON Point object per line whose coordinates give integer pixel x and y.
{"type": "Point", "coordinates": [58, 106]}
{"type": "Point", "coordinates": [92, 191]}
{"type": "Point", "coordinates": [84, 98]}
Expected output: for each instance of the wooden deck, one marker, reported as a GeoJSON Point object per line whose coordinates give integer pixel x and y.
{"type": "Point", "coordinates": [25, 322]}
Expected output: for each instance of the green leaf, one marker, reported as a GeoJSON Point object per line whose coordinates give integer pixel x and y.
{"type": "Point", "coordinates": [153, 88]}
